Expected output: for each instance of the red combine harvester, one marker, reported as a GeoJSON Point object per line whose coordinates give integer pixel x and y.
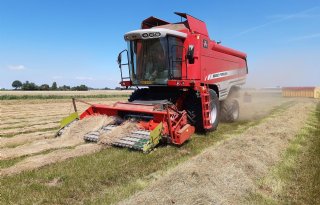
{"type": "Point", "coordinates": [189, 83]}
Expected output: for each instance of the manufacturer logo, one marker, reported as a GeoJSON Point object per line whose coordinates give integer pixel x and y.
{"type": "Point", "coordinates": [225, 74]}
{"type": "Point", "coordinates": [205, 43]}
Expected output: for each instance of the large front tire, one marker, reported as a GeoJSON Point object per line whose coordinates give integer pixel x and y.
{"type": "Point", "coordinates": [193, 107]}
{"type": "Point", "coordinates": [214, 110]}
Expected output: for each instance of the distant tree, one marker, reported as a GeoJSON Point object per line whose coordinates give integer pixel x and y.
{"type": "Point", "coordinates": [83, 88]}
{"type": "Point", "coordinates": [118, 88]}
{"type": "Point", "coordinates": [44, 87]}
{"type": "Point", "coordinates": [64, 87]}
{"type": "Point", "coordinates": [25, 86]}
{"type": "Point", "coordinates": [16, 84]}
{"type": "Point", "coordinates": [80, 88]}
{"type": "Point", "coordinates": [33, 86]}
{"type": "Point", "coordinates": [106, 88]}
{"type": "Point", "coordinates": [54, 86]}
{"type": "Point", "coordinates": [29, 86]}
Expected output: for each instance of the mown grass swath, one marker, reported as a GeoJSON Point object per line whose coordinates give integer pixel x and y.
{"type": "Point", "coordinates": [30, 131]}
{"type": "Point", "coordinates": [108, 176]}
{"type": "Point", "coordinates": [296, 179]}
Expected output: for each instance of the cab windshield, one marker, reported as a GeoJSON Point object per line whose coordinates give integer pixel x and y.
{"type": "Point", "coordinates": [154, 61]}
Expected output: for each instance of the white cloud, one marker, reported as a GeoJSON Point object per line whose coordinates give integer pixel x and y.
{"type": "Point", "coordinates": [17, 67]}
{"type": "Point", "coordinates": [279, 19]}
{"type": "Point", "coordinates": [84, 78]}
{"type": "Point", "coordinates": [306, 37]}
{"type": "Point", "coordinates": [296, 16]}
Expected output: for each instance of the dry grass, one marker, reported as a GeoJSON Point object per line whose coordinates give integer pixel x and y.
{"type": "Point", "coordinates": [72, 137]}
{"type": "Point", "coordinates": [44, 95]}
{"type": "Point", "coordinates": [89, 178]}
{"type": "Point", "coordinates": [215, 177]}
{"type": "Point", "coordinates": [28, 128]}
{"type": "Point", "coordinates": [103, 177]}
{"type": "Point", "coordinates": [109, 175]}
{"type": "Point", "coordinates": [296, 179]}
{"type": "Point", "coordinates": [67, 93]}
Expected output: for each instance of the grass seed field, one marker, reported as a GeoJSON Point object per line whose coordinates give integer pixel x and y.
{"type": "Point", "coordinates": [274, 138]}
{"type": "Point", "coordinates": [18, 94]}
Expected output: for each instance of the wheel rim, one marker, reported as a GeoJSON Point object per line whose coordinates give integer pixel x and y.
{"type": "Point", "coordinates": [213, 113]}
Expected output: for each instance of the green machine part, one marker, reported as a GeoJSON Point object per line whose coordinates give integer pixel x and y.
{"type": "Point", "coordinates": [67, 120]}
{"type": "Point", "coordinates": [155, 137]}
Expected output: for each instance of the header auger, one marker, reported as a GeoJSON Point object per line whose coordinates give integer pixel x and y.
{"type": "Point", "coordinates": [189, 82]}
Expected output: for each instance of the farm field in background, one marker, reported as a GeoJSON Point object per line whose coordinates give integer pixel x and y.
{"type": "Point", "coordinates": [23, 95]}
{"type": "Point", "coordinates": [68, 93]}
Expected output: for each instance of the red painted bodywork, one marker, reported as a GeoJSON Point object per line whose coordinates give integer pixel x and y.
{"type": "Point", "coordinates": [213, 65]}
{"type": "Point", "coordinates": [175, 125]}
{"type": "Point", "coordinates": [212, 59]}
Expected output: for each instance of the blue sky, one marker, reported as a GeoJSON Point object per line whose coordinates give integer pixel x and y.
{"type": "Point", "coordinates": [76, 42]}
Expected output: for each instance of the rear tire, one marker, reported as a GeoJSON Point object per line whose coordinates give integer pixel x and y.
{"type": "Point", "coordinates": [230, 110]}
{"type": "Point", "coordinates": [215, 110]}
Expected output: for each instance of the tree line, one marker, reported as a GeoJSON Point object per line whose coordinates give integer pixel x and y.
{"type": "Point", "coordinates": [32, 86]}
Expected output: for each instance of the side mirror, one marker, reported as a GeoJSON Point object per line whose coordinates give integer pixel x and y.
{"type": "Point", "coordinates": [119, 59]}
{"type": "Point", "coordinates": [190, 54]}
